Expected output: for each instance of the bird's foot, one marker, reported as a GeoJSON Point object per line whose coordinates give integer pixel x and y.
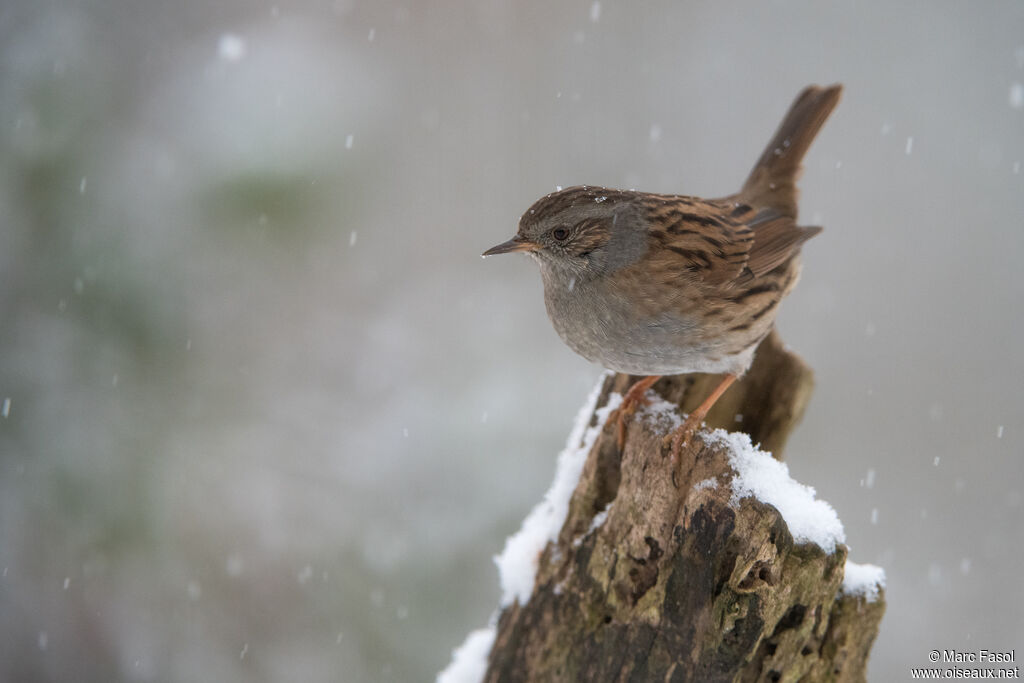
{"type": "Point", "coordinates": [682, 436]}
{"type": "Point", "coordinates": [633, 398]}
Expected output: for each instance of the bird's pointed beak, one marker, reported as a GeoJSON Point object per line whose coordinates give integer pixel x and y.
{"type": "Point", "coordinates": [517, 243]}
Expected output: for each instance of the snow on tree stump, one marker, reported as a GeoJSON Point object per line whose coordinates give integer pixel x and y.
{"type": "Point", "coordinates": [716, 568]}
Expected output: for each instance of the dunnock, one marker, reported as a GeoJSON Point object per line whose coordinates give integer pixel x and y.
{"type": "Point", "coordinates": [653, 284]}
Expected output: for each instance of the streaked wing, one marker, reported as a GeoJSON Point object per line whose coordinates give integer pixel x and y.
{"type": "Point", "coordinates": [700, 237]}
{"type": "Point", "coordinates": [723, 243]}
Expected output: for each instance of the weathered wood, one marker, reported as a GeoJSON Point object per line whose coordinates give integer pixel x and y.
{"type": "Point", "coordinates": [677, 582]}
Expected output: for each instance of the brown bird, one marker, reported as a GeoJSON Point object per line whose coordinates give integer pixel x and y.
{"type": "Point", "coordinates": [653, 284]}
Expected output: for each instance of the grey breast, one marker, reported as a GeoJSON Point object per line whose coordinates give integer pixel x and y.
{"type": "Point", "coordinates": [605, 328]}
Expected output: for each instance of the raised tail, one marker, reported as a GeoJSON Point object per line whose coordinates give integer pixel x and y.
{"type": "Point", "coordinates": [772, 182]}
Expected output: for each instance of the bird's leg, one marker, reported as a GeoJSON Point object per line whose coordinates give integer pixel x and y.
{"type": "Point", "coordinates": [682, 436]}
{"type": "Point", "coordinates": [634, 396]}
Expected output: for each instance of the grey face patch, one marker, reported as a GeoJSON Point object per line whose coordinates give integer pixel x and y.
{"type": "Point", "coordinates": [600, 230]}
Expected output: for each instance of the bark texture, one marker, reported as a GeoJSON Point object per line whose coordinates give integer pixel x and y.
{"type": "Point", "coordinates": [654, 578]}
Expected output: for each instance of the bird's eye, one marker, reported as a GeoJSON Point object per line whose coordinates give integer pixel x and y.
{"type": "Point", "coordinates": [560, 233]}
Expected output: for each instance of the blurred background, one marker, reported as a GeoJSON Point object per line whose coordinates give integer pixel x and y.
{"type": "Point", "coordinates": [266, 414]}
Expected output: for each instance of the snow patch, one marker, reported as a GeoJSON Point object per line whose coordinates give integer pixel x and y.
{"type": "Point", "coordinates": [517, 563]}
{"type": "Point", "coordinates": [709, 483]}
{"type": "Point", "coordinates": [469, 660]}
{"type": "Point", "coordinates": [595, 523]}
{"type": "Point", "coordinates": [760, 475]}
{"type": "Point", "coordinates": [660, 409]}
{"type": "Point", "coordinates": [863, 580]}
{"type": "Point", "coordinates": [599, 518]}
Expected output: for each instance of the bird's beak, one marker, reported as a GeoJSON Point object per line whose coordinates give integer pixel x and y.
{"type": "Point", "coordinates": [517, 243]}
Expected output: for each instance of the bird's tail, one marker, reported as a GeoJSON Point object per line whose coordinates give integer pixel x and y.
{"type": "Point", "coordinates": [772, 182]}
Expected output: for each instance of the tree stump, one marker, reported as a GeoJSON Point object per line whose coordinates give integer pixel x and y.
{"type": "Point", "coordinates": [659, 573]}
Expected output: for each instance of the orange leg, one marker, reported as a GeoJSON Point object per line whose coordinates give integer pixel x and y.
{"type": "Point", "coordinates": [634, 396]}
{"type": "Point", "coordinates": [683, 435]}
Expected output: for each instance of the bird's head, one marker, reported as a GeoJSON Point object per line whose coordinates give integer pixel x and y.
{"type": "Point", "coordinates": [580, 231]}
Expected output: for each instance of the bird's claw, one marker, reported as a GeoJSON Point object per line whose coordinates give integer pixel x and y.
{"type": "Point", "coordinates": [683, 435]}
{"type": "Point", "coordinates": [632, 398]}
{"type": "Point", "coordinates": [622, 414]}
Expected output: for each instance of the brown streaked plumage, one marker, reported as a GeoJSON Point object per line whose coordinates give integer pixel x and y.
{"type": "Point", "coordinates": [652, 284]}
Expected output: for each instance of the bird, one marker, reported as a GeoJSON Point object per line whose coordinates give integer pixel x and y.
{"type": "Point", "coordinates": [661, 284]}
